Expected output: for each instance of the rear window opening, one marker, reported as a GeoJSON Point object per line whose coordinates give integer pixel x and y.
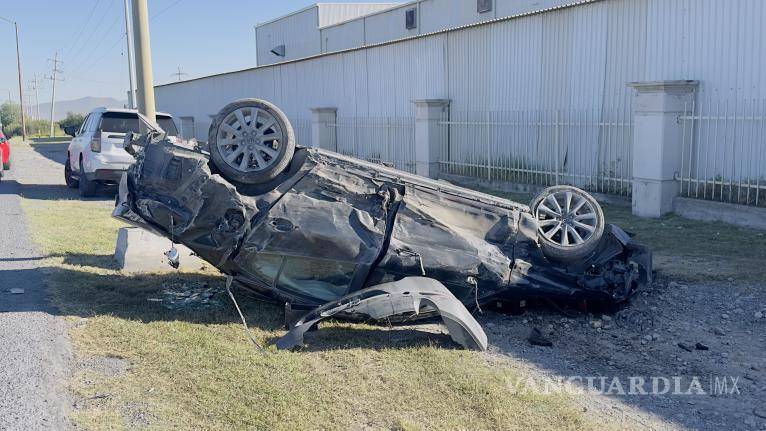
{"type": "Point", "coordinates": [167, 125]}
{"type": "Point", "coordinates": [125, 122]}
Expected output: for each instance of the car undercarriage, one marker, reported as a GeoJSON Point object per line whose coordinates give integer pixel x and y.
{"type": "Point", "coordinates": [321, 232]}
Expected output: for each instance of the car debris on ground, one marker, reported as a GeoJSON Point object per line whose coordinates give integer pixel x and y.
{"type": "Point", "coordinates": [337, 236]}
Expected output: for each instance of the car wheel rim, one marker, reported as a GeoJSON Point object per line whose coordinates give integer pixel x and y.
{"type": "Point", "coordinates": [566, 218]}
{"type": "Point", "coordinates": [250, 139]}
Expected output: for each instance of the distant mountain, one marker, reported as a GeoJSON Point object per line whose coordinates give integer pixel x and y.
{"type": "Point", "coordinates": [81, 106]}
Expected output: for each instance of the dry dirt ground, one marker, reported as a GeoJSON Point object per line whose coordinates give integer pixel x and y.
{"type": "Point", "coordinates": [642, 341]}
{"type": "Point", "coordinates": [639, 341]}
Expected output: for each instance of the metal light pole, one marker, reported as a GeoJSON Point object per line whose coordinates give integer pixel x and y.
{"type": "Point", "coordinates": [142, 46]}
{"type": "Point", "coordinates": [21, 89]}
{"type": "Point", "coordinates": [129, 41]}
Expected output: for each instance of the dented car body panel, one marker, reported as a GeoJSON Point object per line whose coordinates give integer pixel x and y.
{"type": "Point", "coordinates": [408, 296]}
{"type": "Point", "coordinates": [331, 225]}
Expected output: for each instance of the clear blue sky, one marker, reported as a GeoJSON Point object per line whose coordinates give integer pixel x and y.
{"type": "Point", "coordinates": [199, 36]}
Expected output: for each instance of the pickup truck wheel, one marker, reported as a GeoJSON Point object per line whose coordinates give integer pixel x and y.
{"type": "Point", "coordinates": [87, 187]}
{"type": "Point", "coordinates": [570, 223]}
{"type": "Point", "coordinates": [251, 141]}
{"type": "Point", "coordinates": [71, 182]}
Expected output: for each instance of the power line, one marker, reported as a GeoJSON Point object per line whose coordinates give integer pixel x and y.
{"type": "Point", "coordinates": [100, 41]}
{"type": "Point", "coordinates": [95, 29]}
{"type": "Point", "coordinates": [165, 9]}
{"type": "Point", "coordinates": [87, 66]}
{"type": "Point", "coordinates": [82, 29]}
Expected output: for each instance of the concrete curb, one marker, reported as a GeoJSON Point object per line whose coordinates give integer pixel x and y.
{"type": "Point", "coordinates": [704, 210]}
{"type": "Point", "coordinates": [138, 250]}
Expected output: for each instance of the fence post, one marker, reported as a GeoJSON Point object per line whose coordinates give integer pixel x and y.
{"type": "Point", "coordinates": [658, 143]}
{"type": "Point", "coordinates": [323, 130]}
{"type": "Point", "coordinates": [558, 144]}
{"type": "Point", "coordinates": [428, 142]}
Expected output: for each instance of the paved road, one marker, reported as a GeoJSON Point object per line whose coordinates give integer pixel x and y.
{"type": "Point", "coordinates": [34, 348]}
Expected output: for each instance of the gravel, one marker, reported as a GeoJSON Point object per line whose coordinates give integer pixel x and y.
{"type": "Point", "coordinates": [663, 332]}
{"type": "Point", "coordinates": [33, 339]}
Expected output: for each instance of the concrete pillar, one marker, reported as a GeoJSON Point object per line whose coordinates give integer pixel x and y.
{"type": "Point", "coordinates": [139, 250]}
{"type": "Point", "coordinates": [323, 131]}
{"type": "Point", "coordinates": [657, 143]}
{"type": "Point", "coordinates": [430, 136]}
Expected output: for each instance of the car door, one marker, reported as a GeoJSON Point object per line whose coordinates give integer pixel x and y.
{"type": "Point", "coordinates": [73, 150]}
{"type": "Point", "coordinates": [79, 141]}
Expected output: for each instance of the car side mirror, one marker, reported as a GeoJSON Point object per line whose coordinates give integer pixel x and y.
{"type": "Point", "coordinates": [70, 130]}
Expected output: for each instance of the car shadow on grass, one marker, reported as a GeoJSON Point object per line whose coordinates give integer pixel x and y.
{"type": "Point", "coordinates": [144, 298]}
{"type": "Point", "coordinates": [55, 192]}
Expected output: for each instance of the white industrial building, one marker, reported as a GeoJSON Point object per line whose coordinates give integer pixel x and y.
{"type": "Point", "coordinates": [534, 91]}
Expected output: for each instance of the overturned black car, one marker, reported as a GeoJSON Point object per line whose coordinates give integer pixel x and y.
{"type": "Point", "coordinates": [334, 235]}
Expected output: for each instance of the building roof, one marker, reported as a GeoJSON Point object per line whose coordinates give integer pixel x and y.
{"type": "Point", "coordinates": [573, 3]}
{"type": "Point", "coordinates": [374, 6]}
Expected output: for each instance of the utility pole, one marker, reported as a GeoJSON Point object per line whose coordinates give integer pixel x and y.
{"type": "Point", "coordinates": [144, 75]}
{"type": "Point", "coordinates": [28, 102]}
{"type": "Point", "coordinates": [35, 85]}
{"type": "Point", "coordinates": [53, 78]}
{"type": "Point", "coordinates": [129, 41]}
{"type": "Point", "coordinates": [179, 74]}
{"type": "Point", "coordinates": [21, 89]}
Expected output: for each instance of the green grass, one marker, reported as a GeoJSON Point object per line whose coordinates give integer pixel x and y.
{"type": "Point", "coordinates": [195, 369]}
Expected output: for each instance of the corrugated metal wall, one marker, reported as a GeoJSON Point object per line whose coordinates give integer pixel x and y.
{"type": "Point", "coordinates": [298, 32]}
{"type": "Point", "coordinates": [334, 13]}
{"type": "Point", "coordinates": [339, 26]}
{"type": "Point", "coordinates": [574, 58]}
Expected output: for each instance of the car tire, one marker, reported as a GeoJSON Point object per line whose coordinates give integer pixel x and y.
{"type": "Point", "coordinates": [251, 141]}
{"type": "Point", "coordinates": [71, 182]}
{"type": "Point", "coordinates": [87, 187]}
{"type": "Point", "coordinates": [570, 223]}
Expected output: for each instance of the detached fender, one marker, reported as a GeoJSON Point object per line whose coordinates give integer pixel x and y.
{"type": "Point", "coordinates": [409, 295]}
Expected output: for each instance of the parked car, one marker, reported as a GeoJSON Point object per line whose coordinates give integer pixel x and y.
{"type": "Point", "coordinates": [5, 154]}
{"type": "Point", "coordinates": [312, 228]}
{"type": "Point", "coordinates": [96, 154]}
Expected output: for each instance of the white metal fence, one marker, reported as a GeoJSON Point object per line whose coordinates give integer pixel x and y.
{"type": "Point", "coordinates": [724, 151]}
{"type": "Point", "coordinates": [723, 147]}
{"type": "Point", "coordinates": [387, 140]}
{"type": "Point", "coordinates": [586, 148]}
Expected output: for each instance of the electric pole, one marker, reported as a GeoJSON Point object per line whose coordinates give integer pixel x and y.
{"type": "Point", "coordinates": [34, 86]}
{"type": "Point", "coordinates": [28, 102]}
{"type": "Point", "coordinates": [179, 74]}
{"type": "Point", "coordinates": [129, 41]}
{"type": "Point", "coordinates": [21, 89]}
{"type": "Point", "coordinates": [142, 46]}
{"type": "Point", "coordinates": [53, 78]}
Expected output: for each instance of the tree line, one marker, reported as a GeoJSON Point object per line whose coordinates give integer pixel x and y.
{"type": "Point", "coordinates": [10, 119]}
